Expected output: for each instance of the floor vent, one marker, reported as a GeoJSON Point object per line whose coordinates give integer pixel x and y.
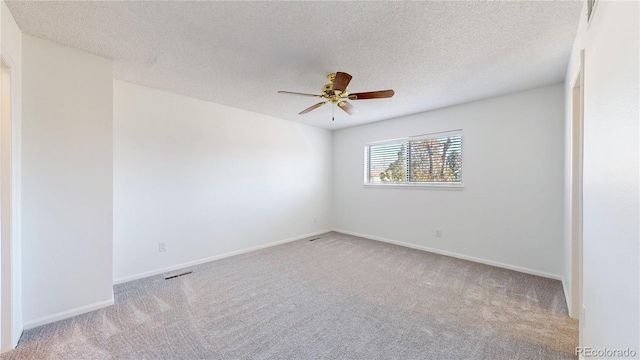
{"type": "Point", "coordinates": [314, 239]}
{"type": "Point", "coordinates": [175, 276]}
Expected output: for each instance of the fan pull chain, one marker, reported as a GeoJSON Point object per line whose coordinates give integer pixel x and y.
{"type": "Point", "coordinates": [333, 113]}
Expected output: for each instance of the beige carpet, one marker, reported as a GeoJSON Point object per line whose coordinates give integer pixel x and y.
{"type": "Point", "coordinates": [338, 297]}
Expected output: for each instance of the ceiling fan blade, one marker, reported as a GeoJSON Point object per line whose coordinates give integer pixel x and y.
{"type": "Point", "coordinates": [341, 82]}
{"type": "Point", "coordinates": [297, 93]}
{"type": "Point", "coordinates": [312, 108]}
{"type": "Point", "coordinates": [348, 108]}
{"type": "Point", "coordinates": [372, 95]}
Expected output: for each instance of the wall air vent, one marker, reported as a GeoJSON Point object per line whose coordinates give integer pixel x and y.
{"type": "Point", "coordinates": [178, 275]}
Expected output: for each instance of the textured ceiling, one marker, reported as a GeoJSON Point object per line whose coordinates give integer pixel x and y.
{"type": "Point", "coordinates": [433, 54]}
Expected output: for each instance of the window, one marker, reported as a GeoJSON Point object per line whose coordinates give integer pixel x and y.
{"type": "Point", "coordinates": [432, 159]}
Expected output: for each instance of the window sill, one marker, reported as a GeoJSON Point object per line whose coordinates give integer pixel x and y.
{"type": "Point", "coordinates": [416, 186]}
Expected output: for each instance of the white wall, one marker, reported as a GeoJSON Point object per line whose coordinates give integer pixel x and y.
{"type": "Point", "coordinates": [611, 213]}
{"type": "Point", "coordinates": [11, 51]}
{"type": "Point", "coordinates": [67, 174]}
{"type": "Point", "coordinates": [209, 180]}
{"type": "Point", "coordinates": [509, 212]}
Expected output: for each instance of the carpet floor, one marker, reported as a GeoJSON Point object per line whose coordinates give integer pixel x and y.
{"type": "Point", "coordinates": [338, 297]}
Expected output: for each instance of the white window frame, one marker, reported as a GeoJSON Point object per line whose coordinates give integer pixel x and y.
{"type": "Point", "coordinates": [412, 185]}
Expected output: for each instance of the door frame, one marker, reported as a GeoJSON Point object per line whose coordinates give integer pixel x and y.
{"type": "Point", "coordinates": [10, 249]}
{"type": "Point", "coordinates": [576, 204]}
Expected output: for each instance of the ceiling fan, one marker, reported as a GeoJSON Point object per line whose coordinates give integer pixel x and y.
{"type": "Point", "coordinates": [336, 92]}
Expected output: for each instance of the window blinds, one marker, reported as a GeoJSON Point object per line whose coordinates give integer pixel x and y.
{"type": "Point", "coordinates": [426, 159]}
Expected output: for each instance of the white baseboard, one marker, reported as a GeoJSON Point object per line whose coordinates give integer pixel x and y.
{"type": "Point", "coordinates": [456, 255]}
{"type": "Point", "coordinates": [17, 328]}
{"type": "Point", "coordinates": [211, 258]}
{"type": "Point", "coordinates": [67, 314]}
{"type": "Point", "coordinates": [16, 337]}
{"type": "Point", "coordinates": [567, 297]}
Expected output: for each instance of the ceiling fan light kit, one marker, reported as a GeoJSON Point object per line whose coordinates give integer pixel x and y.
{"type": "Point", "coordinates": [336, 92]}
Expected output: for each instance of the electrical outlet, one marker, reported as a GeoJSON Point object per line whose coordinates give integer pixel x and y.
{"type": "Point", "coordinates": [438, 233]}
{"type": "Point", "coordinates": [162, 247]}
